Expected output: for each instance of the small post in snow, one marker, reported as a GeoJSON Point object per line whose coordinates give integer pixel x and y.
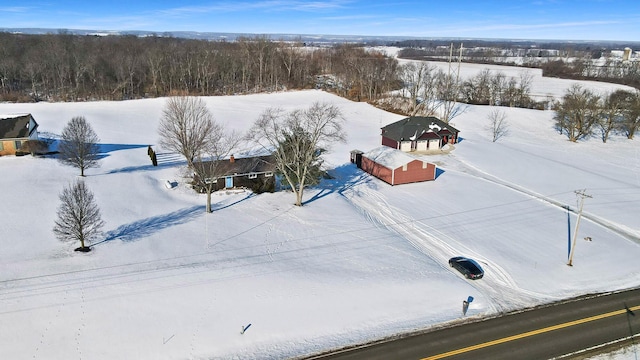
{"type": "Point", "coordinates": [244, 328]}
{"type": "Point", "coordinates": [465, 305]}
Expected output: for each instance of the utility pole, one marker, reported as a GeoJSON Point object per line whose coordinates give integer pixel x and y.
{"type": "Point", "coordinates": [582, 194]}
{"type": "Point", "coordinates": [448, 88]}
{"type": "Point", "coordinates": [451, 91]}
{"type": "Point", "coordinates": [459, 62]}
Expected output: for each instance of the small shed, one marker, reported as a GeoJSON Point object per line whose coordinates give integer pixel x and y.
{"type": "Point", "coordinates": [396, 167]}
{"type": "Point", "coordinates": [356, 157]}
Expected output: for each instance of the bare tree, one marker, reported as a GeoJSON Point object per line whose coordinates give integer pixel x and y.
{"type": "Point", "coordinates": [429, 100]}
{"type": "Point", "coordinates": [78, 216]}
{"type": "Point", "coordinates": [411, 76]}
{"type": "Point", "coordinates": [611, 113]}
{"type": "Point", "coordinates": [578, 112]}
{"type": "Point", "coordinates": [207, 169]}
{"type": "Point", "coordinates": [524, 88]}
{"type": "Point", "coordinates": [498, 125]}
{"type": "Point", "coordinates": [630, 123]}
{"type": "Point", "coordinates": [477, 90]}
{"type": "Point", "coordinates": [298, 140]}
{"type": "Point", "coordinates": [185, 127]}
{"type": "Point", "coordinates": [498, 85]}
{"type": "Point", "coordinates": [419, 82]}
{"type": "Point", "coordinates": [448, 90]}
{"type": "Point", "coordinates": [79, 145]}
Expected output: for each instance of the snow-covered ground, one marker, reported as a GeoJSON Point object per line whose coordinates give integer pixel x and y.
{"type": "Point", "coordinates": [359, 261]}
{"type": "Point", "coordinates": [542, 88]}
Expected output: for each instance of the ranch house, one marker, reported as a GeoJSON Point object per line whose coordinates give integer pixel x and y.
{"type": "Point", "coordinates": [418, 133]}
{"type": "Point", "coordinates": [15, 130]}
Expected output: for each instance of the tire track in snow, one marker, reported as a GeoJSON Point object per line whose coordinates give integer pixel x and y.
{"type": "Point", "coordinates": [498, 286]}
{"type": "Point", "coordinates": [474, 171]}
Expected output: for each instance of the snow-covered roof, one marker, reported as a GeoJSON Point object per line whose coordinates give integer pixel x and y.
{"type": "Point", "coordinates": [16, 126]}
{"type": "Point", "coordinates": [389, 157]}
{"type": "Point", "coordinates": [13, 116]}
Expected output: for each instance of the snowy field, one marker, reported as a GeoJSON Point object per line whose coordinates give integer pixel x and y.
{"type": "Point", "coordinates": [359, 261]}
{"type": "Point", "coordinates": [542, 88]}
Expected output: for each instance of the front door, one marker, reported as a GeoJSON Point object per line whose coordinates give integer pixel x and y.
{"type": "Point", "coordinates": [228, 182]}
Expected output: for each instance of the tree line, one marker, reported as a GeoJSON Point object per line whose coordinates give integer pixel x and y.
{"type": "Point", "coordinates": [65, 67]}
{"type": "Point", "coordinates": [584, 68]}
{"type": "Point", "coordinates": [583, 113]}
{"type": "Point", "coordinates": [430, 91]}
{"type": "Point", "coordinates": [570, 61]}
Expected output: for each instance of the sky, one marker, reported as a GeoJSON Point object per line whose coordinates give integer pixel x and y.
{"type": "Point", "coordinates": [528, 19]}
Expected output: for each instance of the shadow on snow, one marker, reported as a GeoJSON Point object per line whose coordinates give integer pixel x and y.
{"type": "Point", "coordinates": [107, 148]}
{"type": "Point", "coordinates": [214, 209]}
{"type": "Point", "coordinates": [146, 227]}
{"type": "Point", "coordinates": [344, 178]}
{"type": "Point", "coordinates": [164, 160]}
{"type": "Point", "coordinates": [103, 149]}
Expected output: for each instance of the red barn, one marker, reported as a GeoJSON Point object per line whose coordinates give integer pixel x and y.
{"type": "Point", "coordinates": [396, 167]}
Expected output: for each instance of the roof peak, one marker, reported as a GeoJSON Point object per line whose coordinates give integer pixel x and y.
{"type": "Point", "coordinates": [13, 116]}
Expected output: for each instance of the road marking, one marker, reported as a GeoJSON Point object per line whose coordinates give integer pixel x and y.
{"type": "Point", "coordinates": [530, 333]}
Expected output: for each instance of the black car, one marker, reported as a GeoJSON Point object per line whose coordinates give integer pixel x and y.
{"type": "Point", "coordinates": [468, 267]}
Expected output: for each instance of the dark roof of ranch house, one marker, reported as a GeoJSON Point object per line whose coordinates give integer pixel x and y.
{"type": "Point", "coordinates": [16, 126]}
{"type": "Point", "coordinates": [418, 127]}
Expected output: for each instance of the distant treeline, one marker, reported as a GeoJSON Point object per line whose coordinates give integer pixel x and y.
{"type": "Point", "coordinates": [577, 62]}
{"type": "Point", "coordinates": [65, 67]}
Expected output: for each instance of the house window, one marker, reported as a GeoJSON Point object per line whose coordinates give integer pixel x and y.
{"type": "Point", "coordinates": [252, 176]}
{"type": "Point", "coordinates": [1, 146]}
{"type": "Point", "coordinates": [268, 174]}
{"type": "Point", "coordinates": [18, 144]}
{"type": "Point", "coordinates": [404, 167]}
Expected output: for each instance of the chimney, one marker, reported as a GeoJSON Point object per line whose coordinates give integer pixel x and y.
{"type": "Point", "coordinates": [232, 159]}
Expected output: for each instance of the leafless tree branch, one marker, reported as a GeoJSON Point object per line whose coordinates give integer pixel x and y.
{"type": "Point", "coordinates": [79, 145]}
{"type": "Point", "coordinates": [79, 217]}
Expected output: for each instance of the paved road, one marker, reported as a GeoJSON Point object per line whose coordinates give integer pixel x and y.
{"type": "Point", "coordinates": [541, 333]}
